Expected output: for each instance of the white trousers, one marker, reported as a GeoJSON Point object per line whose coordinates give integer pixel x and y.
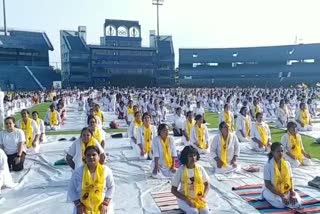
{"type": "Point", "coordinates": [224, 170]}
{"type": "Point", "coordinates": [255, 147]}
{"type": "Point", "coordinates": [278, 124]}
{"type": "Point", "coordinates": [276, 200]}
{"type": "Point", "coordinates": [53, 128]}
{"type": "Point", "coordinates": [241, 138]}
{"type": "Point", "coordinates": [296, 163]}
{"type": "Point", "coordinates": [191, 210]}
{"type": "Point", "coordinates": [305, 128]}
{"type": "Point", "coordinates": [110, 209]}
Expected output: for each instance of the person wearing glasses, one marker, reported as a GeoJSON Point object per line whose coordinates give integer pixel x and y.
{"type": "Point", "coordinates": [224, 150]}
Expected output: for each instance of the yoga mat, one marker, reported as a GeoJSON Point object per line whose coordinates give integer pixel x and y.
{"type": "Point", "coordinates": [252, 195]}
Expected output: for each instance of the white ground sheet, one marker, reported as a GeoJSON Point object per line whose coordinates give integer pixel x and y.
{"type": "Point", "coordinates": [42, 186]}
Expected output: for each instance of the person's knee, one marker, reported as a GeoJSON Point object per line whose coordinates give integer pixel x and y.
{"type": "Point", "coordinates": [192, 211]}
{"type": "Point", "coordinates": [17, 168]}
{"type": "Point", "coordinates": [204, 211]}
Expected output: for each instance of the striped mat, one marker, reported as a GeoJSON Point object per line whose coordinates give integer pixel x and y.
{"type": "Point", "coordinates": [166, 202]}
{"type": "Point", "coordinates": [251, 194]}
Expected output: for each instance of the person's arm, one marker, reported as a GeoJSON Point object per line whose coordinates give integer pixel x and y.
{"type": "Point", "coordinates": [110, 188]}
{"type": "Point", "coordinates": [70, 161]}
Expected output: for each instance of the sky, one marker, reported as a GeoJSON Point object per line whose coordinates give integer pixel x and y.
{"type": "Point", "coordinates": [192, 23]}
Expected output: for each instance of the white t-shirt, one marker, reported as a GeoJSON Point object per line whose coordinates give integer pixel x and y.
{"type": "Point", "coordinates": [177, 180]}
{"type": "Point", "coordinates": [179, 121]}
{"type": "Point", "coordinates": [11, 140]}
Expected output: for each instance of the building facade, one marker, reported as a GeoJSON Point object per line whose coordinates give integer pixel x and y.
{"type": "Point", "coordinates": [119, 59]}
{"type": "Point", "coordinates": [272, 66]}
{"type": "Point", "coordinates": [24, 61]}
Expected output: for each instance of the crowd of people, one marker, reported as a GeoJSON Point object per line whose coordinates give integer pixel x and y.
{"type": "Point", "coordinates": [151, 115]}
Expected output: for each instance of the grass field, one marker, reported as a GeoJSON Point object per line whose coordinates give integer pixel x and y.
{"type": "Point", "coordinates": [309, 143]}
{"type": "Point", "coordinates": [41, 108]}
{"type": "Point", "coordinates": [212, 118]}
{"type": "Point", "coordinates": [77, 132]}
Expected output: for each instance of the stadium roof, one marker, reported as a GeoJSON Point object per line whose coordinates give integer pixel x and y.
{"type": "Point", "coordinates": [26, 40]}
{"type": "Point", "coordinates": [250, 54]}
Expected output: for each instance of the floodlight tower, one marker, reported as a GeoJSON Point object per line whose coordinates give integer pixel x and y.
{"type": "Point", "coordinates": [4, 17]}
{"type": "Point", "coordinates": [158, 3]}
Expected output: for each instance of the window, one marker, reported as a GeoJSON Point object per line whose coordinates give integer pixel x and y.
{"type": "Point", "coordinates": [196, 64]}
{"type": "Point", "coordinates": [213, 64]}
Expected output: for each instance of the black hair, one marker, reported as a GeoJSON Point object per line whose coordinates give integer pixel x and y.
{"type": "Point", "coordinates": [189, 113]}
{"type": "Point", "coordinates": [25, 110]}
{"type": "Point", "coordinates": [274, 146]}
{"type": "Point", "coordinates": [145, 115]}
{"type": "Point", "coordinates": [35, 112]}
{"type": "Point", "coordinates": [225, 105]}
{"type": "Point", "coordinates": [161, 127]}
{"type": "Point", "coordinates": [242, 109]}
{"type": "Point", "coordinates": [301, 104]}
{"type": "Point", "coordinates": [137, 112]}
{"type": "Point", "coordinates": [86, 129]}
{"type": "Point", "coordinates": [91, 117]}
{"type": "Point", "coordinates": [10, 118]}
{"type": "Point", "coordinates": [222, 124]}
{"type": "Point", "coordinates": [290, 125]}
{"type": "Point", "coordinates": [198, 117]}
{"type": "Point", "coordinates": [187, 150]}
{"type": "Point", "coordinates": [258, 114]}
{"type": "Point", "coordinates": [95, 148]}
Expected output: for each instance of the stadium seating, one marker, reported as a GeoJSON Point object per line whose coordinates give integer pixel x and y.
{"type": "Point", "coordinates": [18, 77]}
{"type": "Point", "coordinates": [45, 75]}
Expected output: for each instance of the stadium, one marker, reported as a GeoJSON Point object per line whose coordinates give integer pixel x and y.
{"type": "Point", "coordinates": [272, 66]}
{"type": "Point", "coordinates": [168, 124]}
{"type": "Point", "coordinates": [120, 57]}
{"type": "Point", "coordinates": [24, 61]}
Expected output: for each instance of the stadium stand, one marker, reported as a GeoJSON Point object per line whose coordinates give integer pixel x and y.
{"type": "Point", "coordinates": [24, 61]}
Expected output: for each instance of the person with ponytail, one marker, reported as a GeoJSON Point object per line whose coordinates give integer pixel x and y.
{"type": "Point", "coordinates": [164, 153]}
{"type": "Point", "coordinates": [191, 183]}
{"type": "Point", "coordinates": [279, 188]}
{"type": "Point", "coordinates": [243, 125]}
{"type": "Point", "coordinates": [92, 185]}
{"type": "Point", "coordinates": [293, 147]}
{"type": "Point", "coordinates": [75, 154]}
{"type": "Point", "coordinates": [145, 136]}
{"type": "Point", "coordinates": [224, 150]}
{"type": "Point", "coordinates": [260, 135]}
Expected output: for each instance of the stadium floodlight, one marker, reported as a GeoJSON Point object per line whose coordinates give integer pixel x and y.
{"type": "Point", "coordinates": [158, 3]}
{"type": "Point", "coordinates": [4, 17]}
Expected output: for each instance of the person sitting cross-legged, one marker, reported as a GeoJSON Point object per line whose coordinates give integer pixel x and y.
{"type": "Point", "coordinates": [260, 135]}
{"type": "Point", "coordinates": [279, 188]}
{"type": "Point", "coordinates": [190, 184]}
{"type": "Point", "coordinates": [293, 147]}
{"type": "Point", "coordinates": [224, 150]}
